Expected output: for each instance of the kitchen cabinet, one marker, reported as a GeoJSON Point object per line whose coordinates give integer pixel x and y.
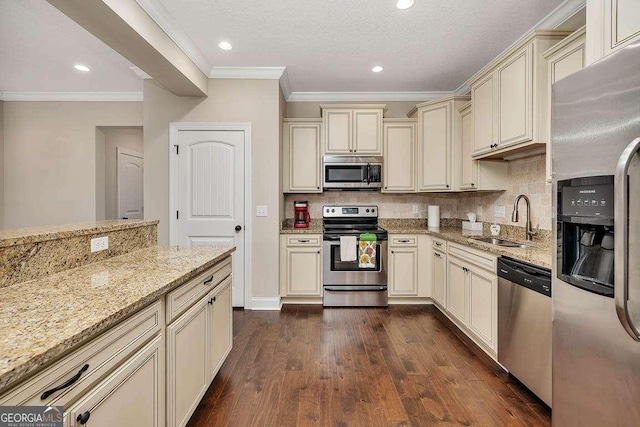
{"type": "Point", "coordinates": [439, 273]}
{"type": "Point", "coordinates": [301, 265]}
{"type": "Point", "coordinates": [403, 265]}
{"type": "Point", "coordinates": [437, 131]}
{"type": "Point", "coordinates": [457, 285]}
{"type": "Point", "coordinates": [132, 395]}
{"type": "Point", "coordinates": [220, 327]}
{"type": "Point", "coordinates": [399, 160]}
{"type": "Point", "coordinates": [611, 25]}
{"type": "Point", "coordinates": [353, 129]}
{"type": "Point", "coordinates": [483, 306]}
{"type": "Point", "coordinates": [483, 175]}
{"type": "Point", "coordinates": [563, 59]}
{"type": "Point", "coordinates": [302, 156]}
{"type": "Point", "coordinates": [509, 97]}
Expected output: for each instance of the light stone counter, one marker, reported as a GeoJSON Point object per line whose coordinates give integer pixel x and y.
{"type": "Point", "coordinates": [42, 319]}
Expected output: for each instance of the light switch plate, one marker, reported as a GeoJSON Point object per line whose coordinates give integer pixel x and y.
{"type": "Point", "coordinates": [99, 244]}
{"type": "Point", "coordinates": [261, 211]}
{"type": "Point", "coordinates": [498, 211]}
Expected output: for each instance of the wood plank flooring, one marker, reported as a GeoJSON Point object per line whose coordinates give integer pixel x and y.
{"type": "Point", "coordinates": [397, 366]}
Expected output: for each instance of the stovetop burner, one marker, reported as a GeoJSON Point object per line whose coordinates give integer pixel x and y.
{"type": "Point", "coordinates": [351, 220]}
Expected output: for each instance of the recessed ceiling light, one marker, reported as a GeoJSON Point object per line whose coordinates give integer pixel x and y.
{"type": "Point", "coordinates": [404, 4]}
{"type": "Point", "coordinates": [81, 67]}
{"type": "Point", "coordinates": [377, 69]}
{"type": "Point", "coordinates": [225, 46]}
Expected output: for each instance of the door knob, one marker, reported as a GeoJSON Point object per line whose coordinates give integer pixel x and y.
{"type": "Point", "coordinates": [238, 228]}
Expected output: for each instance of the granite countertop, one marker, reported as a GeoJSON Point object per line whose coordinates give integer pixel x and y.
{"type": "Point", "coordinates": [21, 236]}
{"type": "Point", "coordinates": [42, 319]}
{"type": "Point", "coordinates": [315, 227]}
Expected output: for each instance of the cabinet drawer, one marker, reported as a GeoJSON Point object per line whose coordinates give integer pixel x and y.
{"type": "Point", "coordinates": [180, 299]}
{"type": "Point", "coordinates": [308, 240]}
{"type": "Point", "coordinates": [404, 240]}
{"type": "Point", "coordinates": [440, 244]}
{"type": "Point", "coordinates": [101, 355]}
{"type": "Point", "coordinates": [472, 256]}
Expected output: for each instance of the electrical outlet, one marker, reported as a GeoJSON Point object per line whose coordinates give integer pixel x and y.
{"type": "Point", "coordinates": [99, 244]}
{"type": "Point", "coordinates": [261, 211]}
{"type": "Point", "coordinates": [498, 211]}
{"type": "Point", "coordinates": [416, 209]}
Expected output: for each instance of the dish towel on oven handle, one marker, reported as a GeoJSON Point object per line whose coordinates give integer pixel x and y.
{"type": "Point", "coordinates": [367, 250]}
{"type": "Point", "coordinates": [348, 246]}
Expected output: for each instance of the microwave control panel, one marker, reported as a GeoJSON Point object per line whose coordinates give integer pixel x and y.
{"type": "Point", "coordinates": [588, 200]}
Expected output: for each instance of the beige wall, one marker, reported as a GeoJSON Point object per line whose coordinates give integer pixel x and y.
{"type": "Point", "coordinates": [1, 164]}
{"type": "Point", "coordinates": [50, 167]}
{"type": "Point", "coordinates": [254, 101]}
{"type": "Point", "coordinates": [281, 113]}
{"type": "Point", "coordinates": [129, 139]}
{"type": "Point", "coordinates": [100, 175]}
{"type": "Point", "coordinates": [307, 110]}
{"type": "Point", "coordinates": [526, 176]}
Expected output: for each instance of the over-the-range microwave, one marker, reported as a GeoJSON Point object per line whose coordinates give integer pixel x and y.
{"type": "Point", "coordinates": [352, 173]}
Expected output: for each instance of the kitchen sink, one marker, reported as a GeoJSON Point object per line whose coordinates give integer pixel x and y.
{"type": "Point", "coordinates": [500, 242]}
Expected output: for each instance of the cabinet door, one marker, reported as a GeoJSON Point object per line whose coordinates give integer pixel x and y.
{"type": "Point", "coordinates": [367, 132]}
{"type": "Point", "coordinates": [439, 277]}
{"type": "Point", "coordinates": [515, 98]}
{"type": "Point", "coordinates": [399, 160]}
{"type": "Point", "coordinates": [403, 271]}
{"type": "Point", "coordinates": [302, 174]}
{"type": "Point", "coordinates": [337, 131]}
{"type": "Point", "coordinates": [622, 24]}
{"type": "Point", "coordinates": [468, 166]}
{"type": "Point", "coordinates": [434, 161]}
{"type": "Point", "coordinates": [303, 274]}
{"type": "Point", "coordinates": [483, 306]}
{"type": "Point", "coordinates": [220, 326]}
{"type": "Point", "coordinates": [187, 370]}
{"type": "Point", "coordinates": [457, 289]}
{"type": "Point", "coordinates": [133, 395]}
{"type": "Point", "coordinates": [482, 94]}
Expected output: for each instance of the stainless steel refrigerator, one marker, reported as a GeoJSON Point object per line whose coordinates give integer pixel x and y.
{"type": "Point", "coordinates": [596, 272]}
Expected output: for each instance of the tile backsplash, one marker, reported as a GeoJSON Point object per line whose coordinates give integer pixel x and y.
{"type": "Point", "coordinates": [526, 176]}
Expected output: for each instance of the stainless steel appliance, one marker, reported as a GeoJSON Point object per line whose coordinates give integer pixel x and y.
{"type": "Point", "coordinates": [524, 324]}
{"type": "Point", "coordinates": [352, 173]}
{"type": "Point", "coordinates": [345, 282]}
{"type": "Point", "coordinates": [596, 314]}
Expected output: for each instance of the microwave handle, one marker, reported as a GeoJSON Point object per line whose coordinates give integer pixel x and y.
{"type": "Point", "coordinates": [368, 173]}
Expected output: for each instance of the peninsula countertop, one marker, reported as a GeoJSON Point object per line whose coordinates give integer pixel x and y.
{"type": "Point", "coordinates": [41, 319]}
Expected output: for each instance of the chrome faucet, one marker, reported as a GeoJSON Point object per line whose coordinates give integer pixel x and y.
{"type": "Point", "coordinates": [514, 216]}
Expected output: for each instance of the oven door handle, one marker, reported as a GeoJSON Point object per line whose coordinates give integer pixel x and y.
{"type": "Point", "coordinates": [379, 288]}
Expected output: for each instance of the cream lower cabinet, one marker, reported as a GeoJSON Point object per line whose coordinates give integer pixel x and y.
{"type": "Point", "coordinates": [611, 26]}
{"type": "Point", "coordinates": [132, 395]}
{"type": "Point", "coordinates": [457, 285]}
{"type": "Point", "coordinates": [220, 327]}
{"type": "Point", "coordinates": [406, 267]}
{"type": "Point", "coordinates": [439, 273]}
{"type": "Point", "coordinates": [301, 156]}
{"type": "Point", "coordinates": [301, 265]}
{"type": "Point", "coordinates": [399, 174]}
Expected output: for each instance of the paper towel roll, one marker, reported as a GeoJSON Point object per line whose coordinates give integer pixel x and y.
{"type": "Point", "coordinates": [433, 214]}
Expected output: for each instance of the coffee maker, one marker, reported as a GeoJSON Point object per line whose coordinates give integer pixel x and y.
{"type": "Point", "coordinates": [301, 214]}
{"type": "Point", "coordinates": [586, 233]}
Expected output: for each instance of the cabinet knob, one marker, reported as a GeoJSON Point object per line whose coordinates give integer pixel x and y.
{"type": "Point", "coordinates": [472, 184]}
{"type": "Point", "coordinates": [83, 418]}
{"type": "Point", "coordinates": [318, 252]}
{"type": "Point", "coordinates": [393, 252]}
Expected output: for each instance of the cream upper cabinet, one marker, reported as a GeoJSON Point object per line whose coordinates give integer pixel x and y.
{"type": "Point", "coordinates": [301, 169]}
{"type": "Point", "coordinates": [483, 175]}
{"type": "Point", "coordinates": [510, 100]}
{"type": "Point", "coordinates": [439, 277]}
{"type": "Point", "coordinates": [437, 130]}
{"type": "Point", "coordinates": [354, 129]}
{"type": "Point", "coordinates": [301, 265]}
{"type": "Point", "coordinates": [611, 25]}
{"type": "Point", "coordinates": [563, 59]}
{"type": "Point", "coordinates": [399, 159]}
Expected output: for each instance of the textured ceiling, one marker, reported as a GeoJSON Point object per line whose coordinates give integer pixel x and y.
{"type": "Point", "coordinates": [39, 46]}
{"type": "Point", "coordinates": [331, 45]}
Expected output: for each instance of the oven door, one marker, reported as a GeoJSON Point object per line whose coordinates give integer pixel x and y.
{"type": "Point", "coordinates": [337, 272]}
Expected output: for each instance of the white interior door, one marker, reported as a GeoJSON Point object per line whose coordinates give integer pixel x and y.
{"type": "Point", "coordinates": [130, 184]}
{"type": "Point", "coordinates": [209, 194]}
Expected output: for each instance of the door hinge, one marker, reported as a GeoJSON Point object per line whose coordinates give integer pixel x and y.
{"type": "Point", "coordinates": [177, 214]}
{"type": "Point", "coordinates": [177, 148]}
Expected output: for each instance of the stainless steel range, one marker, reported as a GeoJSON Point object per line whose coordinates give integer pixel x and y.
{"type": "Point", "coordinates": [347, 283]}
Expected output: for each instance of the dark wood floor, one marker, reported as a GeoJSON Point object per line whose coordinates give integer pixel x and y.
{"type": "Point", "coordinates": [401, 366]}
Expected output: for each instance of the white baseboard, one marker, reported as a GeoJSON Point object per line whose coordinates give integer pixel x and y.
{"type": "Point", "coordinates": [265, 303]}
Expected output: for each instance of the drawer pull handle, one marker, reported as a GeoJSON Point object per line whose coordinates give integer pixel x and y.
{"type": "Point", "coordinates": [404, 241]}
{"type": "Point", "coordinates": [437, 254]}
{"type": "Point", "coordinates": [438, 244]}
{"type": "Point", "coordinates": [303, 241]}
{"type": "Point", "coordinates": [83, 418]}
{"type": "Point", "coordinates": [66, 384]}
{"type": "Point", "coordinates": [208, 281]}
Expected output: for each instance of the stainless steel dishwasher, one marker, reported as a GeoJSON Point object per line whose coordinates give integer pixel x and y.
{"type": "Point", "coordinates": [524, 324]}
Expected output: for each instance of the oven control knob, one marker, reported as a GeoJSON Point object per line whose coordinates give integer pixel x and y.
{"type": "Point", "coordinates": [373, 210]}
{"type": "Point", "coordinates": [333, 210]}
{"type": "Point", "coordinates": [367, 210]}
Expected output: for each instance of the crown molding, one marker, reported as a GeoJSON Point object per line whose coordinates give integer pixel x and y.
{"type": "Point", "coordinates": [285, 84]}
{"type": "Point", "coordinates": [258, 73]}
{"type": "Point", "coordinates": [72, 96]}
{"type": "Point", "coordinates": [161, 16]}
{"type": "Point", "coordinates": [140, 73]}
{"type": "Point", "coordinates": [365, 96]}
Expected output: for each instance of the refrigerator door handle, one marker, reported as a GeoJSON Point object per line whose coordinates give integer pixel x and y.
{"type": "Point", "coordinates": [621, 224]}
